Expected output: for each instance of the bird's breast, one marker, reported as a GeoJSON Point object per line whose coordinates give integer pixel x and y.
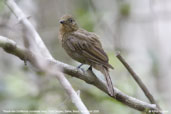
{"type": "Point", "coordinates": [73, 53]}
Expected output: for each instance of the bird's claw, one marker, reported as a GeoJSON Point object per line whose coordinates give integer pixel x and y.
{"type": "Point", "coordinates": [90, 68]}
{"type": "Point", "coordinates": [78, 67]}
{"type": "Point", "coordinates": [81, 69]}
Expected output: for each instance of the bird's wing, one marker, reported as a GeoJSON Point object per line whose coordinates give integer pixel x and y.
{"type": "Point", "coordinates": [89, 46]}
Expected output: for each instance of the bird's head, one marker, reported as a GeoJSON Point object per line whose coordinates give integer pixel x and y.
{"type": "Point", "coordinates": [68, 23]}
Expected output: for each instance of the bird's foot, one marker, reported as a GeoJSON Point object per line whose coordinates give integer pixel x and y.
{"type": "Point", "coordinates": [90, 68]}
{"type": "Point", "coordinates": [79, 67]}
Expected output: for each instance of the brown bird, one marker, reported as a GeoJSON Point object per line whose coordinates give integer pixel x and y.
{"type": "Point", "coordinates": [84, 47]}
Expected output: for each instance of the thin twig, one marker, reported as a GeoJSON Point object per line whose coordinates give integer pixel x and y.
{"type": "Point", "coordinates": [34, 39]}
{"type": "Point", "coordinates": [138, 80]}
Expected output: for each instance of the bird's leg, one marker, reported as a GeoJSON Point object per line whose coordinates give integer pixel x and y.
{"type": "Point", "coordinates": [90, 68]}
{"type": "Point", "coordinates": [80, 66]}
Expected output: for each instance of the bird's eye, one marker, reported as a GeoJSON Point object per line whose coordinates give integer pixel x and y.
{"type": "Point", "coordinates": [70, 20]}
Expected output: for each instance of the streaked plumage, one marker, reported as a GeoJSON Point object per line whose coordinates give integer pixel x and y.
{"type": "Point", "coordinates": [85, 47]}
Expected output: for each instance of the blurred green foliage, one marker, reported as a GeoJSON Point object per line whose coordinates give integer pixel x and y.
{"type": "Point", "coordinates": [125, 9]}
{"type": "Point", "coordinates": [113, 59]}
{"type": "Point", "coordinates": [1, 5]}
{"type": "Point", "coordinates": [84, 15]}
{"type": "Point", "coordinates": [85, 19]}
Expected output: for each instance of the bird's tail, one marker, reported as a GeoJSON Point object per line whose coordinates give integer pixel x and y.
{"type": "Point", "coordinates": [109, 82]}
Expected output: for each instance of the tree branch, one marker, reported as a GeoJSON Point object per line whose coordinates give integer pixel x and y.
{"type": "Point", "coordinates": [90, 78]}
{"type": "Point", "coordinates": [138, 80]}
{"type": "Point", "coordinates": [34, 38]}
{"type": "Point", "coordinates": [11, 47]}
{"type": "Point", "coordinates": [38, 54]}
{"type": "Point", "coordinates": [43, 53]}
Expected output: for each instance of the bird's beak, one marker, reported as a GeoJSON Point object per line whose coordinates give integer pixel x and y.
{"type": "Point", "coordinates": [62, 22]}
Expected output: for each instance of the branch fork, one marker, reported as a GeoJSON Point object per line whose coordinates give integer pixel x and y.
{"type": "Point", "coordinates": [42, 55]}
